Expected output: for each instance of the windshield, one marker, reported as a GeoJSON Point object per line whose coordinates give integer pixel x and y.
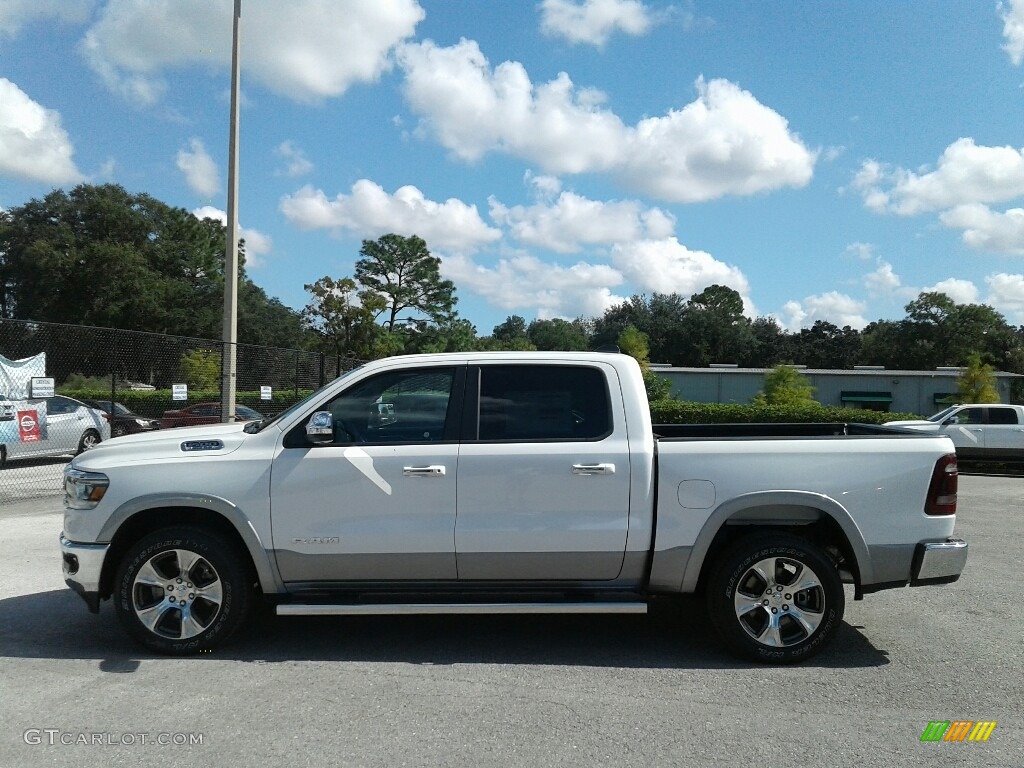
{"type": "Point", "coordinates": [257, 426]}
{"type": "Point", "coordinates": [941, 415]}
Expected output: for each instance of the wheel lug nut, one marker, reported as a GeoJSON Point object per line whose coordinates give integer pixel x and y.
{"type": "Point", "coordinates": [764, 602]}
{"type": "Point", "coordinates": [170, 587]}
{"type": "Point", "coordinates": [179, 581]}
{"type": "Point", "coordinates": [191, 597]}
{"type": "Point", "coordinates": [785, 607]}
{"type": "Point", "coordinates": [775, 610]}
{"type": "Point", "coordinates": [172, 599]}
{"type": "Point", "coordinates": [190, 585]}
{"type": "Point", "coordinates": [789, 597]}
{"type": "Point", "coordinates": [778, 589]}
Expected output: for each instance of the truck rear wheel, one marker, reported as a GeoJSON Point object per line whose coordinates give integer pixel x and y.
{"type": "Point", "coordinates": [182, 590]}
{"type": "Point", "coordinates": [776, 598]}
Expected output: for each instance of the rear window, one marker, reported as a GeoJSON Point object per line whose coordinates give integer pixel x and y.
{"type": "Point", "coordinates": [1002, 416]}
{"type": "Point", "coordinates": [528, 403]}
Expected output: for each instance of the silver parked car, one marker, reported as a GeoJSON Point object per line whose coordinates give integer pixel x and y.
{"type": "Point", "coordinates": [71, 427]}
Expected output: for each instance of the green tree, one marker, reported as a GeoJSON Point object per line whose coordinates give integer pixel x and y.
{"type": "Point", "coordinates": [784, 385]}
{"type": "Point", "coordinates": [200, 369]}
{"type": "Point", "coordinates": [407, 277]}
{"type": "Point", "coordinates": [559, 335]}
{"type": "Point", "coordinates": [343, 318]}
{"type": "Point", "coordinates": [713, 329]}
{"type": "Point", "coordinates": [634, 343]}
{"type": "Point", "coordinates": [977, 382]}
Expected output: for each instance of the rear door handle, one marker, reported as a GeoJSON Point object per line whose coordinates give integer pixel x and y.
{"type": "Point", "coordinates": [434, 470]}
{"type": "Point", "coordinates": [593, 469]}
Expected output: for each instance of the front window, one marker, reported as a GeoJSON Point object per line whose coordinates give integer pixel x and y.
{"type": "Point", "coordinates": [408, 406]}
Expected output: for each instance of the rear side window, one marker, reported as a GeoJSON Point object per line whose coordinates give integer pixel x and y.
{"type": "Point", "coordinates": [1002, 416]}
{"type": "Point", "coordinates": [527, 403]}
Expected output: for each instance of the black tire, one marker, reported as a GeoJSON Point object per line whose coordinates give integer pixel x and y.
{"type": "Point", "coordinates": [90, 439]}
{"type": "Point", "coordinates": [3, 456]}
{"type": "Point", "coordinates": [151, 587]}
{"type": "Point", "coordinates": [755, 608]}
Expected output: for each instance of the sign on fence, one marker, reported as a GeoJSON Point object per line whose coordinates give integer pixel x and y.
{"type": "Point", "coordinates": [265, 393]}
{"type": "Point", "coordinates": [179, 391]}
{"type": "Point", "coordinates": [28, 427]}
{"type": "Point", "coordinates": [41, 387]}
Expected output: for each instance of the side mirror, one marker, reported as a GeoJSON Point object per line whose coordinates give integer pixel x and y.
{"type": "Point", "coordinates": [320, 427]}
{"type": "Point", "coordinates": [951, 421]}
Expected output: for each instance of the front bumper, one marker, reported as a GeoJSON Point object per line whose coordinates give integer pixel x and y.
{"type": "Point", "coordinates": [83, 564]}
{"type": "Point", "coordinates": [938, 562]}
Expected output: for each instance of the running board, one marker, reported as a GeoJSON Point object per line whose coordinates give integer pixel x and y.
{"type": "Point", "coordinates": [409, 609]}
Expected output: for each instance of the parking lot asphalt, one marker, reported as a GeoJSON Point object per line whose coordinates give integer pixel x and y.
{"type": "Point", "coordinates": [537, 691]}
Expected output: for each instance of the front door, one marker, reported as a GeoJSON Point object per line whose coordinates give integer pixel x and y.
{"type": "Point", "coordinates": [377, 503]}
{"type": "Point", "coordinates": [544, 481]}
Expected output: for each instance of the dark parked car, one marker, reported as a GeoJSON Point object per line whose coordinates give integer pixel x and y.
{"type": "Point", "coordinates": [205, 413]}
{"type": "Point", "coordinates": [122, 420]}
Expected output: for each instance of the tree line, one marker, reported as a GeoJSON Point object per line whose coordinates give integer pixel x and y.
{"type": "Point", "coordinates": [98, 255]}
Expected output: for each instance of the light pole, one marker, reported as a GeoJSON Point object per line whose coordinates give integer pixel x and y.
{"type": "Point", "coordinates": [230, 332]}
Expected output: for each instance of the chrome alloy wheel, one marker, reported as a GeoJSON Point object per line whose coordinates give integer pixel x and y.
{"type": "Point", "coordinates": [177, 594]}
{"type": "Point", "coordinates": [779, 601]}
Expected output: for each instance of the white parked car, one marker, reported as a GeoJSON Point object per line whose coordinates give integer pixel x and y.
{"type": "Point", "coordinates": [71, 428]}
{"type": "Point", "coordinates": [980, 431]}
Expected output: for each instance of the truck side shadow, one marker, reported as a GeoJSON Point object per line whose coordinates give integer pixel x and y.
{"type": "Point", "coordinates": [674, 635]}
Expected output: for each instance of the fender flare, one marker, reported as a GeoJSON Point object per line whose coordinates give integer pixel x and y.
{"type": "Point", "coordinates": [266, 568]}
{"type": "Point", "coordinates": [730, 509]}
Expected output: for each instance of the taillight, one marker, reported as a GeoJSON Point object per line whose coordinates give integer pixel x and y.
{"type": "Point", "coordinates": [942, 491]}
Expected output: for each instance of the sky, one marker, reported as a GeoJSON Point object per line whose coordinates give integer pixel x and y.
{"type": "Point", "coordinates": [829, 161]}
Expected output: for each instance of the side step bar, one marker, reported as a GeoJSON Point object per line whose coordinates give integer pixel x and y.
{"type": "Point", "coordinates": [408, 609]}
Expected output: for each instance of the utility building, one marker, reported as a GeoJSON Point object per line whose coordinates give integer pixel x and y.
{"type": "Point", "coordinates": [870, 387]}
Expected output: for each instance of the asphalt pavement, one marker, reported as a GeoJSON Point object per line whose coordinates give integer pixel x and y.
{"type": "Point", "coordinates": [509, 691]}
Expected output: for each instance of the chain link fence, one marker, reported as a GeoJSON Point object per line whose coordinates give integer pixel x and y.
{"type": "Point", "coordinates": [107, 382]}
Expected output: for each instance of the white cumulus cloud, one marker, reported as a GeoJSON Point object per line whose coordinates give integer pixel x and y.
{"type": "Point", "coordinates": [594, 21]}
{"type": "Point", "coordinates": [369, 211]}
{"type": "Point", "coordinates": [960, 291]}
{"type": "Point", "coordinates": [200, 170]}
{"type": "Point", "coordinates": [572, 221]}
{"type": "Point", "coordinates": [966, 173]}
{"type": "Point", "coordinates": [256, 243]}
{"type": "Point", "coordinates": [296, 162]}
{"type": "Point", "coordinates": [1012, 13]}
{"type": "Point", "coordinates": [550, 289]}
{"type": "Point", "coordinates": [33, 145]}
{"type": "Point", "coordinates": [307, 50]}
{"type": "Point", "coordinates": [988, 230]}
{"type": "Point", "coordinates": [883, 281]}
{"type": "Point", "coordinates": [833, 307]}
{"type": "Point", "coordinates": [724, 143]}
{"type": "Point", "coordinates": [668, 266]}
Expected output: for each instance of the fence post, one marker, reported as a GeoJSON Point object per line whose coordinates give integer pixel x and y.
{"type": "Point", "coordinates": [321, 369]}
{"type": "Point", "coordinates": [113, 374]}
{"type": "Point", "coordinates": [296, 375]}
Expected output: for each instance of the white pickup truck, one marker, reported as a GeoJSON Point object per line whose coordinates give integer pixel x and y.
{"type": "Point", "coordinates": [505, 483]}
{"type": "Point", "coordinates": [982, 431]}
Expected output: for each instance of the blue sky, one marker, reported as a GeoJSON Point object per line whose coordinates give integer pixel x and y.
{"type": "Point", "coordinates": [827, 160]}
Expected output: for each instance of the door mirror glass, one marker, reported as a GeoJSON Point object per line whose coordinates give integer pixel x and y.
{"type": "Point", "coordinates": [320, 427]}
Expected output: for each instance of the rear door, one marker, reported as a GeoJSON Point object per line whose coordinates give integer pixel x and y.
{"type": "Point", "coordinates": [544, 474]}
{"type": "Point", "coordinates": [1004, 435]}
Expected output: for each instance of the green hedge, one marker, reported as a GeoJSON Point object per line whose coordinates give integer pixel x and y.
{"type": "Point", "coordinates": [153, 403]}
{"type": "Point", "coordinates": [682, 412]}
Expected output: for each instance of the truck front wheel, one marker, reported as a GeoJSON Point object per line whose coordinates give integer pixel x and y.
{"type": "Point", "coordinates": [182, 590]}
{"type": "Point", "coordinates": [776, 598]}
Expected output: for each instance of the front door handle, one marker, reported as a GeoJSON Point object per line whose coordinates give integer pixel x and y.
{"type": "Point", "coordinates": [593, 469]}
{"type": "Point", "coordinates": [434, 470]}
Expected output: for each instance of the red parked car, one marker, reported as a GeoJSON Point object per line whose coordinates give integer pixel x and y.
{"type": "Point", "coordinates": [204, 413]}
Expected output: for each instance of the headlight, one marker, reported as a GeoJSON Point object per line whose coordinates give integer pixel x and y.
{"type": "Point", "coordinates": [83, 490]}
{"type": "Point", "coordinates": [143, 422]}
